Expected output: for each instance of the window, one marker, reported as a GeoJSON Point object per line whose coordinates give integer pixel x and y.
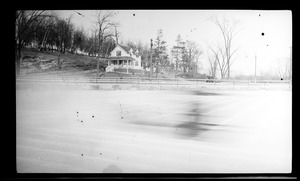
{"type": "Point", "coordinates": [118, 53]}
{"type": "Point", "coordinates": [136, 63]}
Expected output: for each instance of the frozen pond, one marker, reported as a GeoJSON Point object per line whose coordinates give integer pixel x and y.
{"type": "Point", "coordinates": [94, 131]}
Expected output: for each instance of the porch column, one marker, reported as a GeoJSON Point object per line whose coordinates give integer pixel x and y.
{"type": "Point", "coordinates": [127, 66]}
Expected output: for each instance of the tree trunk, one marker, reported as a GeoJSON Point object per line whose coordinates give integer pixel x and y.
{"type": "Point", "coordinates": [45, 39]}
{"type": "Point", "coordinates": [223, 75]}
{"type": "Point", "coordinates": [156, 68]}
{"type": "Point", "coordinates": [64, 51]}
{"type": "Point", "coordinates": [61, 47]}
{"type": "Point", "coordinates": [18, 59]}
{"type": "Point", "coordinates": [98, 68]}
{"type": "Point", "coordinates": [228, 71]}
{"type": "Point", "coordinates": [58, 61]}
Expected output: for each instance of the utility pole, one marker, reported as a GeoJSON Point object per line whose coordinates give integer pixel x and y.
{"type": "Point", "coordinates": [151, 68]}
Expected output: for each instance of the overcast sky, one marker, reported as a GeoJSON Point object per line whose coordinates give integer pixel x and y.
{"type": "Point", "coordinates": [142, 25]}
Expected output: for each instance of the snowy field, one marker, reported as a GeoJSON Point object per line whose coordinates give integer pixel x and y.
{"type": "Point", "coordinates": [94, 131]}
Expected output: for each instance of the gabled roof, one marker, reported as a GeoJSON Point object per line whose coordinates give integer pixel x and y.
{"type": "Point", "coordinates": [125, 48]}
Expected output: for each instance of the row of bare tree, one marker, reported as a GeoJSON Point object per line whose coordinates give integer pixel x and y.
{"type": "Point", "coordinates": [27, 25]}
{"type": "Point", "coordinates": [45, 30]}
{"type": "Point", "coordinates": [222, 56]}
{"type": "Point", "coordinates": [186, 53]}
{"type": "Point", "coordinates": [50, 32]}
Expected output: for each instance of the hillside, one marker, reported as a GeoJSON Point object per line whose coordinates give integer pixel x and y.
{"type": "Point", "coordinates": [34, 61]}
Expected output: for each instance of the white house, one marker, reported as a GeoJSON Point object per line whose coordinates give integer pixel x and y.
{"type": "Point", "coordinates": [122, 57]}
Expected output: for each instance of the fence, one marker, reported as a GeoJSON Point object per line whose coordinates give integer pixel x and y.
{"type": "Point", "coordinates": [147, 81]}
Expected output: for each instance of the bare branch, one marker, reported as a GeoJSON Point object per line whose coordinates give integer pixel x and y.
{"type": "Point", "coordinates": [24, 23]}
{"type": "Point", "coordinates": [104, 24]}
{"type": "Point", "coordinates": [228, 32]}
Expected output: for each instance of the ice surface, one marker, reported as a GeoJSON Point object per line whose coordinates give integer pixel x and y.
{"type": "Point", "coordinates": [93, 131]}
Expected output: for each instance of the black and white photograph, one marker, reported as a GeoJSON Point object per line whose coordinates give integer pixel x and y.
{"type": "Point", "coordinates": [153, 91]}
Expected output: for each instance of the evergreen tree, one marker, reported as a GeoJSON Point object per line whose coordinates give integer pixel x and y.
{"type": "Point", "coordinates": [178, 53]}
{"type": "Point", "coordinates": [160, 56]}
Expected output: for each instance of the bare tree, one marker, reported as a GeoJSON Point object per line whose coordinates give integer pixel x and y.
{"type": "Point", "coordinates": [105, 27]}
{"type": "Point", "coordinates": [193, 52]}
{"type": "Point", "coordinates": [65, 31]}
{"type": "Point", "coordinates": [229, 31]}
{"type": "Point", "coordinates": [78, 40]}
{"type": "Point", "coordinates": [212, 66]}
{"type": "Point", "coordinates": [105, 30]}
{"type": "Point", "coordinates": [49, 22]}
{"type": "Point", "coordinates": [24, 29]}
{"type": "Point", "coordinates": [94, 42]}
{"type": "Point", "coordinates": [220, 58]}
{"type": "Point", "coordinates": [282, 68]}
